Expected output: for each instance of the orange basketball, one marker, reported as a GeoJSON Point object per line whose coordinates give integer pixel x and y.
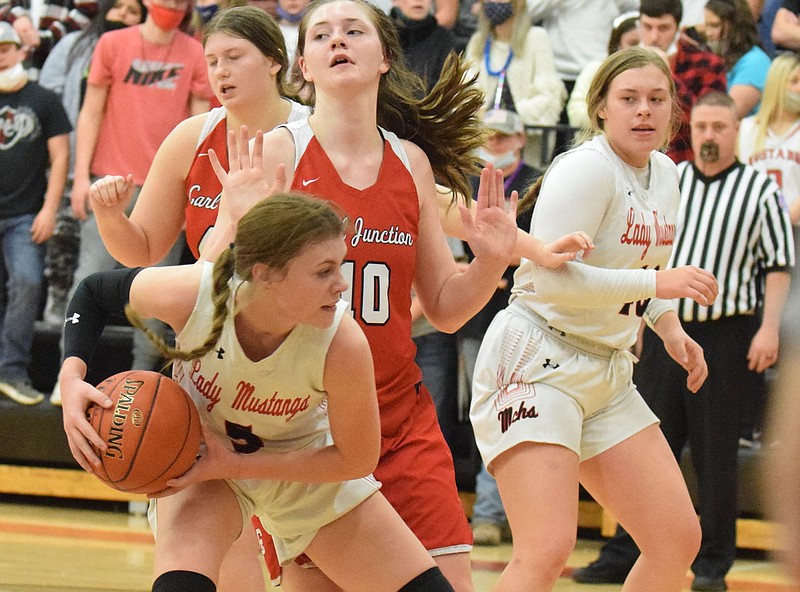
{"type": "Point", "coordinates": [152, 431]}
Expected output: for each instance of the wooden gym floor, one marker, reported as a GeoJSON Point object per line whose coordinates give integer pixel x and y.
{"type": "Point", "coordinates": [60, 547]}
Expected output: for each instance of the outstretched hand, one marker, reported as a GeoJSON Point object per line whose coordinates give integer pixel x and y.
{"type": "Point", "coordinates": [244, 184]}
{"type": "Point", "coordinates": [493, 231]}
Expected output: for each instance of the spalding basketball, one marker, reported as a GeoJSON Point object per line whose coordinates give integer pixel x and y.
{"type": "Point", "coordinates": [152, 431]}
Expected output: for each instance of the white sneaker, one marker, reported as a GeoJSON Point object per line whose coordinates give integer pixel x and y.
{"type": "Point", "coordinates": [21, 392]}
{"type": "Point", "coordinates": [55, 396]}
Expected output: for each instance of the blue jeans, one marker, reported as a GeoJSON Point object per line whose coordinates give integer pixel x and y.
{"type": "Point", "coordinates": [24, 268]}
{"type": "Point", "coordinates": [437, 357]}
{"type": "Point", "coordinates": [487, 507]}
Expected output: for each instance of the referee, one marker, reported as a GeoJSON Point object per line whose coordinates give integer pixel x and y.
{"type": "Point", "coordinates": [732, 222]}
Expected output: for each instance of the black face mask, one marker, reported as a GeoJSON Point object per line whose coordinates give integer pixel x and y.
{"type": "Point", "coordinates": [114, 25]}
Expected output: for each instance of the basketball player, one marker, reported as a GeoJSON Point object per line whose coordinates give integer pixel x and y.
{"type": "Point", "coordinates": [349, 57]}
{"type": "Point", "coordinates": [553, 401]}
{"type": "Point", "coordinates": [246, 58]}
{"type": "Point", "coordinates": [304, 466]}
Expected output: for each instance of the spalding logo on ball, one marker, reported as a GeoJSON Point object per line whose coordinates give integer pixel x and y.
{"type": "Point", "coordinates": [152, 431]}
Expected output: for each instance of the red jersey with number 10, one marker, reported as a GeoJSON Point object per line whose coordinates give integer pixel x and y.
{"type": "Point", "coordinates": [380, 261]}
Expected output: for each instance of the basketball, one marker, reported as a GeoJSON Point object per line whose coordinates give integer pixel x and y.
{"type": "Point", "coordinates": [152, 431]}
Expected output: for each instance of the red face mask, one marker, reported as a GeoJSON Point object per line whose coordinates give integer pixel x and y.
{"type": "Point", "coordinates": [166, 19]}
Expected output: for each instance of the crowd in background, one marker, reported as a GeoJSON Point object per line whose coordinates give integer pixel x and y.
{"type": "Point", "coordinates": [533, 61]}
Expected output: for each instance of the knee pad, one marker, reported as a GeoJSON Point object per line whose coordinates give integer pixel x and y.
{"type": "Point", "coordinates": [431, 580]}
{"type": "Point", "coordinates": [183, 581]}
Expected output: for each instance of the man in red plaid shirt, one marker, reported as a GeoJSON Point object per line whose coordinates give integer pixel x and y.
{"type": "Point", "coordinates": [695, 69]}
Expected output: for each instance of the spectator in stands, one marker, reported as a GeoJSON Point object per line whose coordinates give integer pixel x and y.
{"type": "Point", "coordinates": [730, 31]}
{"type": "Point", "coordinates": [786, 26]}
{"type": "Point", "coordinates": [765, 19]}
{"type": "Point", "coordinates": [503, 150]}
{"type": "Point", "coordinates": [578, 30]}
{"type": "Point", "coordinates": [514, 64]}
{"type": "Point", "coordinates": [143, 81]}
{"type": "Point", "coordinates": [625, 33]}
{"type": "Point", "coordinates": [695, 69]}
{"type": "Point", "coordinates": [34, 136]}
{"type": "Point", "coordinates": [732, 223]}
{"type": "Point", "coordinates": [65, 72]}
{"type": "Point", "coordinates": [42, 29]}
{"type": "Point", "coordinates": [425, 43]}
{"type": "Point", "coordinates": [770, 140]}
{"type": "Point", "coordinates": [289, 14]}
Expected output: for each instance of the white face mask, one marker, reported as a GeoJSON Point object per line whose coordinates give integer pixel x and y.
{"type": "Point", "coordinates": [12, 77]}
{"type": "Point", "coordinates": [791, 102]}
{"type": "Point", "coordinates": [499, 161]}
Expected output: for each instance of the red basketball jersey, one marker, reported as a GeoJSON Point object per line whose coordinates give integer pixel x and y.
{"type": "Point", "coordinates": [380, 262]}
{"type": "Point", "coordinates": [202, 187]}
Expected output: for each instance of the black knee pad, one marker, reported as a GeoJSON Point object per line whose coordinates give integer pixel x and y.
{"type": "Point", "coordinates": [183, 581]}
{"type": "Point", "coordinates": [432, 580]}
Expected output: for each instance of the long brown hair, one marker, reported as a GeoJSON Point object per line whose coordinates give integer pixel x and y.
{"type": "Point", "coordinates": [444, 124]}
{"type": "Point", "coordinates": [614, 65]}
{"type": "Point", "coordinates": [273, 232]}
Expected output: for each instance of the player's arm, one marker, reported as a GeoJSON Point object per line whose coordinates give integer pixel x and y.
{"type": "Point", "coordinates": [355, 427]}
{"type": "Point", "coordinates": [682, 348]}
{"type": "Point", "coordinates": [158, 216]}
{"type": "Point", "coordinates": [99, 299]}
{"type": "Point", "coordinates": [552, 254]}
{"type": "Point", "coordinates": [450, 297]}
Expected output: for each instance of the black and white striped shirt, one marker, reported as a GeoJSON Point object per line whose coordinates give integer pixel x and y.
{"type": "Point", "coordinates": [736, 226]}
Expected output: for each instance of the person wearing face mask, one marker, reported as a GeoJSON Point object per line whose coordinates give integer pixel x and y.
{"type": "Point", "coordinates": [290, 12]}
{"type": "Point", "coordinates": [770, 139]}
{"type": "Point", "coordinates": [34, 136]}
{"type": "Point", "coordinates": [143, 81]}
{"type": "Point", "coordinates": [730, 31]}
{"type": "Point", "coordinates": [65, 72]}
{"type": "Point", "coordinates": [425, 43]}
{"type": "Point", "coordinates": [503, 150]}
{"type": "Point", "coordinates": [514, 64]}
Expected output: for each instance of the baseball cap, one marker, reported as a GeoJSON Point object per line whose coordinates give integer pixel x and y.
{"type": "Point", "coordinates": [8, 34]}
{"type": "Point", "coordinates": [503, 121]}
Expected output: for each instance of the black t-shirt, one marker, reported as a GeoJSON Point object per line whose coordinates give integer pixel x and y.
{"type": "Point", "coordinates": [29, 117]}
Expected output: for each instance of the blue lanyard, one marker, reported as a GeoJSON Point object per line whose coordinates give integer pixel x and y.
{"type": "Point", "coordinates": [502, 70]}
{"type": "Point", "coordinates": [500, 74]}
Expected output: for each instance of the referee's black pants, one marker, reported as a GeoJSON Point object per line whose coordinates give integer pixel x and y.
{"type": "Point", "coordinates": [709, 421]}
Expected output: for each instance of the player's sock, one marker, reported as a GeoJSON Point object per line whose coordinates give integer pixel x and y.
{"type": "Point", "coordinates": [432, 580]}
{"type": "Point", "coordinates": [183, 581]}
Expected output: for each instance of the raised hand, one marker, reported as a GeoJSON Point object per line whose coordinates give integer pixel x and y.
{"type": "Point", "coordinates": [687, 282]}
{"type": "Point", "coordinates": [112, 193]}
{"type": "Point", "coordinates": [493, 232]}
{"type": "Point", "coordinates": [244, 185]}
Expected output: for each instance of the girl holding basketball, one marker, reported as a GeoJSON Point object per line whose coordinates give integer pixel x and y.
{"type": "Point", "coordinates": [303, 466]}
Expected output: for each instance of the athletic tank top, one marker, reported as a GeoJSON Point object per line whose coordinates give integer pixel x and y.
{"type": "Point", "coordinates": [380, 261]}
{"type": "Point", "coordinates": [202, 187]}
{"type": "Point", "coordinates": [275, 404]}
